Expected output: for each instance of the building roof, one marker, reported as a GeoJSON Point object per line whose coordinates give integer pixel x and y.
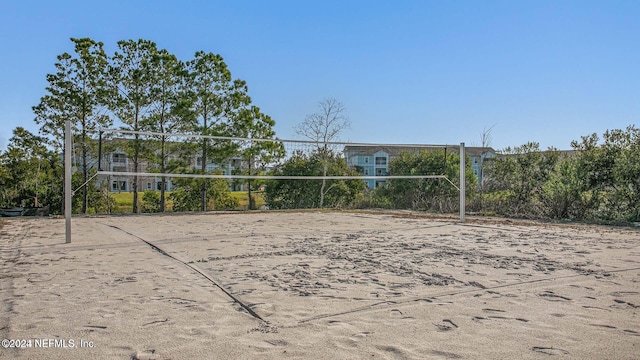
{"type": "Point", "coordinates": [561, 153]}
{"type": "Point", "coordinates": [395, 150]}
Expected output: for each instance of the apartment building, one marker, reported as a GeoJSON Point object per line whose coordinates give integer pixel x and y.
{"type": "Point", "coordinates": [117, 161]}
{"type": "Point", "coordinates": [375, 160]}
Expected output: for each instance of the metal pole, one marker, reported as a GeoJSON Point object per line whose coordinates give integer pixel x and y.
{"type": "Point", "coordinates": [67, 180]}
{"type": "Point", "coordinates": [462, 182]}
{"type": "Point", "coordinates": [100, 151]}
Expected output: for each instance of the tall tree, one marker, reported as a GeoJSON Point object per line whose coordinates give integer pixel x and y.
{"type": "Point", "coordinates": [132, 83]}
{"type": "Point", "coordinates": [76, 92]}
{"type": "Point", "coordinates": [170, 110]}
{"type": "Point", "coordinates": [323, 127]}
{"type": "Point", "coordinates": [258, 154]}
{"type": "Point", "coordinates": [218, 99]}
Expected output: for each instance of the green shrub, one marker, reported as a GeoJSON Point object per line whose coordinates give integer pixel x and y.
{"type": "Point", "coordinates": [150, 202]}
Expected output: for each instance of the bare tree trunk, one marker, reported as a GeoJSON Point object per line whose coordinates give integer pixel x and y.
{"type": "Point", "coordinates": [203, 190]}
{"type": "Point", "coordinates": [324, 183]}
{"type": "Point", "coordinates": [163, 179]}
{"type": "Point", "coordinates": [85, 173]}
{"type": "Point", "coordinates": [136, 153]}
{"type": "Point", "coordinates": [108, 194]}
{"type": "Point", "coordinates": [251, 202]}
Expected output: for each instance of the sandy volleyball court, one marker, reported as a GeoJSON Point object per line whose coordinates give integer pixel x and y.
{"type": "Point", "coordinates": [318, 285]}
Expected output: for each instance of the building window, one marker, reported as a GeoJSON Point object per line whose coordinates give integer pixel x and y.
{"type": "Point", "coordinates": [366, 159]}
{"type": "Point", "coordinates": [199, 161]}
{"type": "Point", "coordinates": [380, 172]}
{"type": "Point", "coordinates": [366, 171]}
{"type": "Point", "coordinates": [148, 186]}
{"type": "Point", "coordinates": [119, 158]}
{"type": "Point", "coordinates": [119, 185]}
{"type": "Point", "coordinates": [381, 160]}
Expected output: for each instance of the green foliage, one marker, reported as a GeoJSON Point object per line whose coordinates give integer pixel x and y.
{"type": "Point", "coordinates": [150, 202]}
{"type": "Point", "coordinates": [600, 181]}
{"type": "Point", "coordinates": [30, 173]}
{"type": "Point", "coordinates": [522, 172]}
{"type": "Point", "coordinates": [170, 112]}
{"type": "Point", "coordinates": [563, 194]}
{"type": "Point", "coordinates": [612, 173]}
{"type": "Point", "coordinates": [132, 81]}
{"type": "Point", "coordinates": [218, 98]}
{"type": "Point", "coordinates": [258, 154]}
{"type": "Point", "coordinates": [427, 194]}
{"type": "Point", "coordinates": [322, 127]}
{"type": "Point", "coordinates": [371, 199]}
{"type": "Point", "coordinates": [305, 194]}
{"type": "Point", "coordinates": [99, 198]}
{"type": "Point", "coordinates": [150, 89]}
{"type": "Point", "coordinates": [146, 88]}
{"type": "Point", "coordinates": [76, 92]}
{"type": "Point", "coordinates": [187, 196]}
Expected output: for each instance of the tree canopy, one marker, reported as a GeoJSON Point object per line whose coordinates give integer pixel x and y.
{"type": "Point", "coordinates": [306, 194]}
{"type": "Point", "coordinates": [143, 87]}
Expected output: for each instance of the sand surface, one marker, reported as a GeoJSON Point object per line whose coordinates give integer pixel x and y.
{"type": "Point", "coordinates": [320, 285]}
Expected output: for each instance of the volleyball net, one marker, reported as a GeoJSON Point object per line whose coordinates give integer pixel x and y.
{"type": "Point", "coordinates": [145, 160]}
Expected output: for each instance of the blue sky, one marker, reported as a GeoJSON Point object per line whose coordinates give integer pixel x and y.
{"type": "Point", "coordinates": [407, 71]}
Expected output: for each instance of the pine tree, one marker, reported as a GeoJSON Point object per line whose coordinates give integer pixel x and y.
{"type": "Point", "coordinates": [76, 92]}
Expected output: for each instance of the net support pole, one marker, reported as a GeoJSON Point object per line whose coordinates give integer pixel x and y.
{"type": "Point", "coordinates": [462, 182]}
{"type": "Point", "coordinates": [67, 180]}
{"type": "Point", "coordinates": [100, 151]}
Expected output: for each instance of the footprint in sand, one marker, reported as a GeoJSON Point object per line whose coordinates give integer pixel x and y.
{"type": "Point", "coordinates": [277, 342]}
{"type": "Point", "coordinates": [446, 355]}
{"type": "Point", "coordinates": [550, 350]}
{"type": "Point", "coordinates": [626, 303]}
{"type": "Point", "coordinates": [551, 296]}
{"type": "Point", "coordinates": [604, 326]}
{"type": "Point", "coordinates": [493, 310]}
{"type": "Point", "coordinates": [361, 335]}
{"type": "Point", "coordinates": [395, 351]}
